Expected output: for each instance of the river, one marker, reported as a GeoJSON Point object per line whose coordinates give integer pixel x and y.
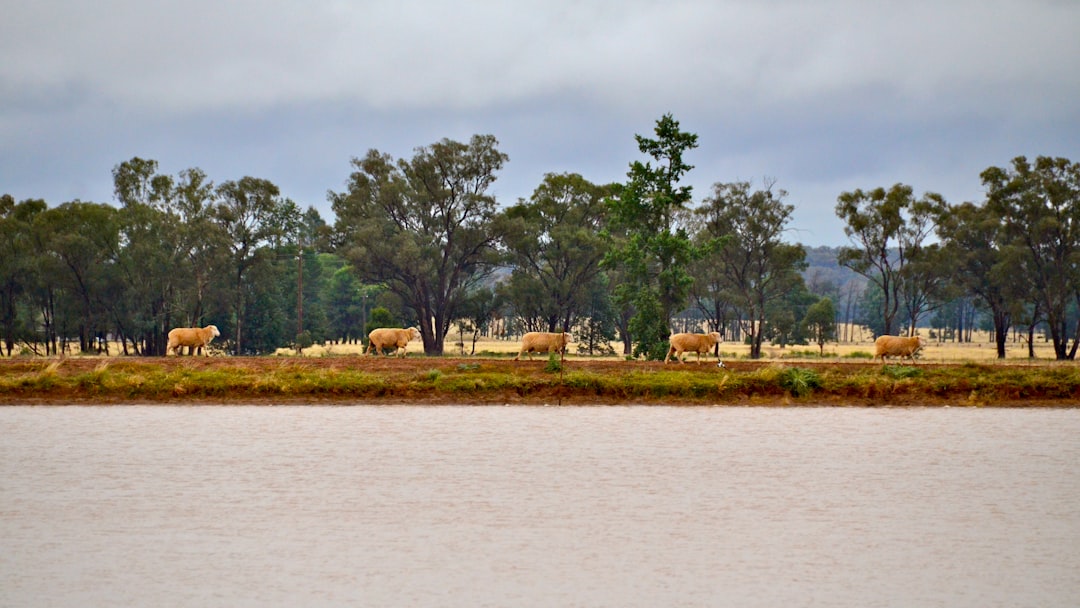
{"type": "Point", "coordinates": [539, 506]}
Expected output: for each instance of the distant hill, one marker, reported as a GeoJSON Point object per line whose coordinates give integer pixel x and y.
{"type": "Point", "coordinates": [822, 269]}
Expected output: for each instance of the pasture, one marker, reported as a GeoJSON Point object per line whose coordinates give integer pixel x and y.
{"type": "Point", "coordinates": [967, 374]}
{"type": "Point", "coordinates": [981, 349]}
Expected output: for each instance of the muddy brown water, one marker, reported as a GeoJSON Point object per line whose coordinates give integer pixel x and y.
{"type": "Point", "coordinates": [538, 506]}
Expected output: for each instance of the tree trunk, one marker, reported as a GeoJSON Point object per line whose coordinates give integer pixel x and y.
{"type": "Point", "coordinates": [239, 310]}
{"type": "Point", "coordinates": [1076, 341]}
{"type": "Point", "coordinates": [9, 319]}
{"type": "Point", "coordinates": [1001, 332]}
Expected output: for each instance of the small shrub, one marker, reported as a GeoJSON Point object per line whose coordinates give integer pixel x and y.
{"type": "Point", "coordinates": [554, 364]}
{"type": "Point", "coordinates": [304, 340]}
{"type": "Point", "coordinates": [800, 381]}
{"type": "Point", "coordinates": [859, 354]}
{"type": "Point", "coordinates": [432, 375]}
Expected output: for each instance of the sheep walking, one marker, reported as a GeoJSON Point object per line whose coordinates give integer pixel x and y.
{"type": "Point", "coordinates": [391, 337]}
{"type": "Point", "coordinates": [897, 346]}
{"type": "Point", "coordinates": [539, 341]}
{"type": "Point", "coordinates": [193, 338]}
{"type": "Point", "coordinates": [695, 343]}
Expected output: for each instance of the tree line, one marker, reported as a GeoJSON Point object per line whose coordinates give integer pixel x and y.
{"type": "Point", "coordinates": [421, 241]}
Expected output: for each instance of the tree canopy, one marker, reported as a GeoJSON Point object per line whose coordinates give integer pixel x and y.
{"type": "Point", "coordinates": [427, 227]}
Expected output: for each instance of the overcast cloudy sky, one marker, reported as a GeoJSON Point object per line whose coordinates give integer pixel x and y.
{"type": "Point", "coordinates": [822, 96]}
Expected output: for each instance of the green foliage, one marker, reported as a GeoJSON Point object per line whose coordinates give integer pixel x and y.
{"type": "Point", "coordinates": [265, 309]}
{"type": "Point", "coordinates": [427, 228]}
{"type": "Point", "coordinates": [303, 340]}
{"type": "Point", "coordinates": [652, 252]}
{"type": "Point", "coordinates": [380, 317]}
{"type": "Point", "coordinates": [749, 266]}
{"type": "Point", "coordinates": [649, 328]}
{"type": "Point", "coordinates": [799, 381]}
{"type": "Point", "coordinates": [480, 306]}
{"type": "Point", "coordinates": [809, 354]}
{"type": "Point", "coordinates": [598, 321]}
{"type": "Point", "coordinates": [555, 246]}
{"type": "Point", "coordinates": [232, 379]}
{"type": "Point", "coordinates": [1038, 205]}
{"type": "Point", "coordinates": [870, 310]}
{"type": "Point", "coordinates": [345, 300]}
{"type": "Point", "coordinates": [554, 364]}
{"type": "Point", "coordinates": [182, 250]}
{"type": "Point", "coordinates": [901, 371]}
{"type": "Point", "coordinates": [255, 219]}
{"type": "Point", "coordinates": [888, 228]}
{"type": "Point", "coordinates": [820, 322]}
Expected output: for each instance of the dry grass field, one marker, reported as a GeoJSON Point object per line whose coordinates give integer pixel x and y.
{"type": "Point", "coordinates": [981, 350]}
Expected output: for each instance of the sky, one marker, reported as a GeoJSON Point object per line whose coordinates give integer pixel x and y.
{"type": "Point", "coordinates": [820, 97]}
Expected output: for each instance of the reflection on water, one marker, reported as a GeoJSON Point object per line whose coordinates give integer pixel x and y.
{"type": "Point", "coordinates": [533, 506]}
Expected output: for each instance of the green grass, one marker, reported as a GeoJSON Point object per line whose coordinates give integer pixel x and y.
{"type": "Point", "coordinates": [487, 381]}
{"type": "Point", "coordinates": [800, 382]}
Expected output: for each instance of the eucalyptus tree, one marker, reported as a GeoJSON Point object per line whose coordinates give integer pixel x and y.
{"type": "Point", "coordinates": [975, 242]}
{"type": "Point", "coordinates": [171, 250]}
{"type": "Point", "coordinates": [268, 297]}
{"type": "Point", "coordinates": [784, 315]}
{"type": "Point", "coordinates": [346, 305]}
{"type": "Point", "coordinates": [9, 275]}
{"type": "Point", "coordinates": [481, 306]}
{"type": "Point", "coordinates": [427, 228]}
{"type": "Point", "coordinates": [18, 274]}
{"type": "Point", "coordinates": [711, 294]}
{"type": "Point", "coordinates": [41, 291]}
{"type": "Point", "coordinates": [888, 229]}
{"type": "Point", "coordinates": [656, 251]}
{"type": "Point", "coordinates": [756, 268]}
{"type": "Point", "coordinates": [1040, 206]}
{"type": "Point", "coordinates": [205, 247]}
{"type": "Point", "coordinates": [555, 247]}
{"type": "Point", "coordinates": [253, 216]}
{"type": "Point", "coordinates": [599, 321]}
{"type": "Point", "coordinates": [926, 283]}
{"type": "Point", "coordinates": [302, 274]}
{"type": "Point", "coordinates": [151, 261]}
{"type": "Point", "coordinates": [820, 322]}
{"type": "Point", "coordinates": [83, 239]}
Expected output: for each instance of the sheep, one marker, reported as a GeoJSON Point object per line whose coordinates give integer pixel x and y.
{"type": "Point", "coordinates": [540, 341]}
{"type": "Point", "coordinates": [192, 337]}
{"type": "Point", "coordinates": [699, 343]}
{"type": "Point", "coordinates": [896, 346]}
{"type": "Point", "coordinates": [391, 337]}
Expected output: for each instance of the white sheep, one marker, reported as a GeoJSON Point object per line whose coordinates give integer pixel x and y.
{"type": "Point", "coordinates": [697, 343]}
{"type": "Point", "coordinates": [540, 341]}
{"type": "Point", "coordinates": [387, 337]}
{"type": "Point", "coordinates": [192, 337]}
{"type": "Point", "coordinates": [897, 346]}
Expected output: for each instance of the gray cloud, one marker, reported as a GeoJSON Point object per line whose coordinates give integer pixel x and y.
{"type": "Point", "coordinates": [822, 96]}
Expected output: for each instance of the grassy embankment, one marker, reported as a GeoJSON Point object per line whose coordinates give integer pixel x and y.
{"type": "Point", "coordinates": [497, 380]}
